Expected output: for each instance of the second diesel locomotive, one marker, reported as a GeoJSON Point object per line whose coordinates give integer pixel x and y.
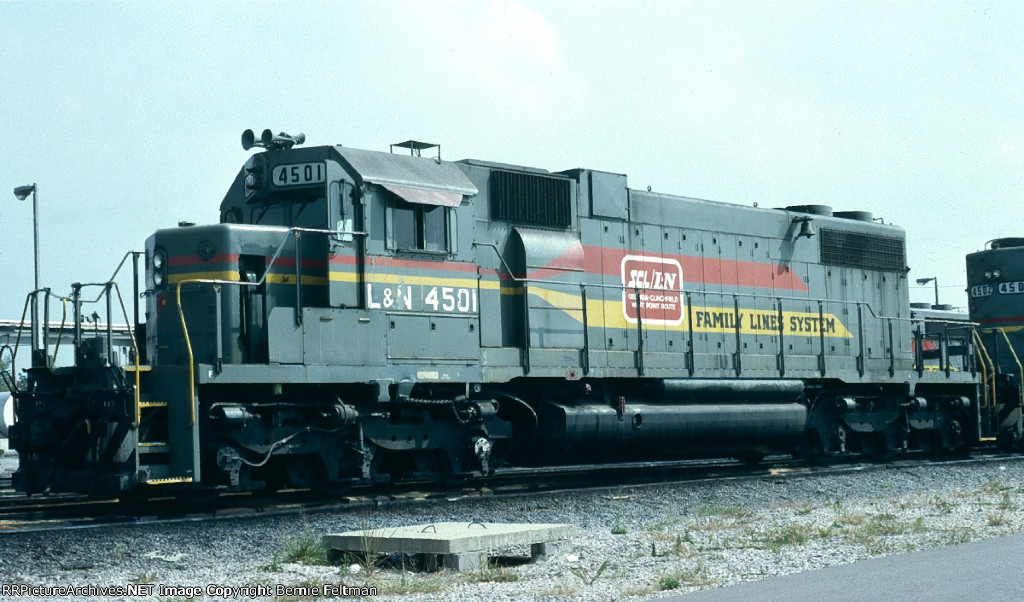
{"type": "Point", "coordinates": [361, 316]}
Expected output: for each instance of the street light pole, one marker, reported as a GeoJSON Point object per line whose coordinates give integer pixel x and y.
{"type": "Point", "coordinates": [22, 193]}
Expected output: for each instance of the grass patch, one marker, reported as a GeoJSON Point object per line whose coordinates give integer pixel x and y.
{"type": "Point", "coordinates": [661, 525]}
{"type": "Point", "coordinates": [803, 509]}
{"type": "Point", "coordinates": [371, 544]}
{"type": "Point", "coordinates": [585, 576]}
{"type": "Point", "coordinates": [959, 536]}
{"type": "Point", "coordinates": [408, 585]}
{"type": "Point", "coordinates": [305, 549]}
{"type": "Point", "coordinates": [996, 520]}
{"type": "Point", "coordinates": [996, 487]}
{"type": "Point", "coordinates": [944, 505]}
{"type": "Point", "coordinates": [695, 577]}
{"type": "Point", "coordinates": [735, 512]}
{"type": "Point", "coordinates": [145, 577]}
{"type": "Point", "coordinates": [887, 525]}
{"type": "Point", "coordinates": [491, 573]}
{"type": "Point", "coordinates": [790, 535]}
{"type": "Point", "coordinates": [635, 591]}
{"type": "Point", "coordinates": [561, 590]}
{"type": "Point", "coordinates": [853, 520]}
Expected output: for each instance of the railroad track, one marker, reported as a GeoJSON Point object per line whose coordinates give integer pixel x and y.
{"type": "Point", "coordinates": [20, 513]}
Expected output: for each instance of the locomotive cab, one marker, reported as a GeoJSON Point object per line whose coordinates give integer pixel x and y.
{"type": "Point", "coordinates": [286, 313]}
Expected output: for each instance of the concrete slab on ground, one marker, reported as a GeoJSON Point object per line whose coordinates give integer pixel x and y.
{"type": "Point", "coordinates": [461, 546]}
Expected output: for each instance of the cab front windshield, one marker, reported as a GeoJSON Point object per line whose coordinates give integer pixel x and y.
{"type": "Point", "coordinates": [310, 213]}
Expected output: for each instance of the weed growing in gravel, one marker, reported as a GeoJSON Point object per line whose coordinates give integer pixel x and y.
{"type": "Point", "coordinates": [734, 512]}
{"type": "Point", "coordinates": [695, 577]}
{"type": "Point", "coordinates": [886, 525]}
{"type": "Point", "coordinates": [275, 564]}
{"type": "Point", "coordinates": [803, 509]}
{"type": "Point", "coordinates": [996, 487]}
{"type": "Point", "coordinates": [943, 505]}
{"type": "Point", "coordinates": [408, 585]}
{"type": "Point", "coordinates": [371, 545]}
{"type": "Point", "coordinates": [491, 573]}
{"type": "Point", "coordinates": [1006, 503]}
{"type": "Point", "coordinates": [145, 577]}
{"type": "Point", "coordinates": [563, 590]}
{"type": "Point", "coordinates": [855, 520]}
{"type": "Point", "coordinates": [677, 546]}
{"type": "Point", "coordinates": [305, 549]}
{"type": "Point", "coordinates": [618, 530]}
{"type": "Point", "coordinates": [637, 591]}
{"type": "Point", "coordinates": [585, 576]}
{"type": "Point", "coordinates": [662, 524]}
{"type": "Point", "coordinates": [996, 520]}
{"type": "Point", "coordinates": [959, 536]}
{"type": "Point", "coordinates": [903, 504]}
{"type": "Point", "coordinates": [881, 548]}
{"type": "Point", "coordinates": [789, 535]}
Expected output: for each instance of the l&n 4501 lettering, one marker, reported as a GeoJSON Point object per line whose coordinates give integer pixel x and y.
{"type": "Point", "coordinates": [437, 298]}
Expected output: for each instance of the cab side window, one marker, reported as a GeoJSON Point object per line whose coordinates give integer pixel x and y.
{"type": "Point", "coordinates": [415, 227]}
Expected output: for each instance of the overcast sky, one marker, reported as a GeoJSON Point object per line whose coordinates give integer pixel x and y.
{"type": "Point", "coordinates": [128, 115]}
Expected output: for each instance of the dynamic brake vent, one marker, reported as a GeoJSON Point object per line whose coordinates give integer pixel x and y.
{"type": "Point", "coordinates": [530, 199]}
{"type": "Point", "coordinates": [864, 251]}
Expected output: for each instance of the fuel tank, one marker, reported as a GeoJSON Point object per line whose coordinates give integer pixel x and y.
{"type": "Point", "coordinates": [588, 431]}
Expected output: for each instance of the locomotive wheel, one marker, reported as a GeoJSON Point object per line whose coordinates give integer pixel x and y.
{"type": "Point", "coordinates": [751, 459]}
{"type": "Point", "coordinates": [132, 496]}
{"type": "Point", "coordinates": [875, 445]}
{"type": "Point", "coordinates": [953, 436]}
{"type": "Point", "coordinates": [200, 497]}
{"type": "Point", "coordinates": [305, 472]}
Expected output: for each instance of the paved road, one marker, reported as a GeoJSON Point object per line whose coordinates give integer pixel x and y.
{"type": "Point", "coordinates": [992, 569]}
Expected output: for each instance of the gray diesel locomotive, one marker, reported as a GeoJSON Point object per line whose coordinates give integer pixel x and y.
{"type": "Point", "coordinates": [359, 317]}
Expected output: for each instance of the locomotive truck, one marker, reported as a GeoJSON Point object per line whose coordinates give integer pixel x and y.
{"type": "Point", "coordinates": [364, 317]}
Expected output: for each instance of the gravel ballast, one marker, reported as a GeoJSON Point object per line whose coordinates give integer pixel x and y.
{"type": "Point", "coordinates": [633, 543]}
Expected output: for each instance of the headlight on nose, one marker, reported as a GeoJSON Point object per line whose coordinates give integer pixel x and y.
{"type": "Point", "coordinates": [159, 268]}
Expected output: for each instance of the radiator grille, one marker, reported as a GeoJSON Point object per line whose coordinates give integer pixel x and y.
{"type": "Point", "coordinates": [864, 251]}
{"type": "Point", "coordinates": [530, 199]}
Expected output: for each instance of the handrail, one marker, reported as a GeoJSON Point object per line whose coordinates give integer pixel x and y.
{"type": "Point", "coordinates": [12, 383]}
{"type": "Point", "coordinates": [63, 321]}
{"type": "Point", "coordinates": [1016, 360]}
{"type": "Point", "coordinates": [191, 358]}
{"type": "Point", "coordinates": [135, 347]}
{"type": "Point", "coordinates": [21, 327]}
{"type": "Point", "coordinates": [107, 286]}
{"type": "Point", "coordinates": [986, 363]}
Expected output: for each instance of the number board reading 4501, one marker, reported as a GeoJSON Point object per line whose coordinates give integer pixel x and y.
{"type": "Point", "coordinates": [299, 174]}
